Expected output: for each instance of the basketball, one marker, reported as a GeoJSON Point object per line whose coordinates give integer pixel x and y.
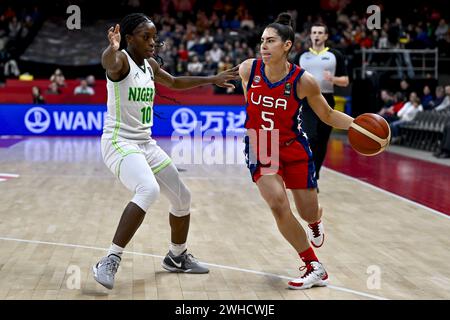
{"type": "Point", "coordinates": [369, 134]}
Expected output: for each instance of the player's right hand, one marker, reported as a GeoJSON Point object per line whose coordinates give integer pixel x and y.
{"type": "Point", "coordinates": [114, 37]}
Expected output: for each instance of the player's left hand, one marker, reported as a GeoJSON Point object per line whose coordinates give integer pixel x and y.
{"type": "Point", "coordinates": [222, 78]}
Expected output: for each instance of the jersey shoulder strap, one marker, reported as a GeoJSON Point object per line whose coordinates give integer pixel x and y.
{"type": "Point", "coordinates": [255, 73]}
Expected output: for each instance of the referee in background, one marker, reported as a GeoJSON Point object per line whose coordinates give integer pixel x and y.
{"type": "Point", "coordinates": [328, 68]}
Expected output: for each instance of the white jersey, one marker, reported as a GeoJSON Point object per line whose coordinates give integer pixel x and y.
{"type": "Point", "coordinates": [130, 105]}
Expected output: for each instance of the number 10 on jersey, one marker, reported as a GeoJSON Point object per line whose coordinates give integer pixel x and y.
{"type": "Point", "coordinates": [146, 115]}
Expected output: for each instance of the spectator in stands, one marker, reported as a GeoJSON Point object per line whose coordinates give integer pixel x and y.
{"type": "Point", "coordinates": [58, 78]}
{"type": "Point", "coordinates": [427, 98]}
{"type": "Point", "coordinates": [399, 103]}
{"type": "Point", "coordinates": [37, 96]}
{"type": "Point", "coordinates": [405, 88]}
{"type": "Point", "coordinates": [3, 28]}
{"type": "Point", "coordinates": [445, 104]}
{"type": "Point", "coordinates": [11, 69]}
{"type": "Point", "coordinates": [209, 67]}
{"type": "Point", "coordinates": [216, 53]}
{"type": "Point", "coordinates": [406, 114]}
{"type": "Point", "coordinates": [247, 21]}
{"type": "Point", "coordinates": [195, 67]}
{"type": "Point", "coordinates": [27, 25]}
{"type": "Point", "coordinates": [183, 54]}
{"type": "Point", "coordinates": [235, 24]}
{"type": "Point", "coordinates": [196, 46]}
{"type": "Point", "coordinates": [225, 65]}
{"type": "Point", "coordinates": [9, 13]}
{"type": "Point", "coordinates": [441, 30]}
{"type": "Point", "coordinates": [36, 14]}
{"type": "Point", "coordinates": [14, 28]}
{"type": "Point", "coordinates": [440, 95]}
{"type": "Point", "coordinates": [83, 88]}
{"type": "Point", "coordinates": [170, 58]}
{"type": "Point", "coordinates": [90, 79]}
{"type": "Point", "coordinates": [219, 37]}
{"type": "Point", "coordinates": [53, 88]}
{"type": "Point", "coordinates": [390, 113]}
{"type": "Point", "coordinates": [182, 6]}
{"type": "Point", "coordinates": [387, 101]}
{"type": "Point", "coordinates": [383, 42]}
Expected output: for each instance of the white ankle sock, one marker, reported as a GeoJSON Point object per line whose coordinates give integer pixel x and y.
{"type": "Point", "coordinates": [116, 250]}
{"type": "Point", "coordinates": [177, 249]}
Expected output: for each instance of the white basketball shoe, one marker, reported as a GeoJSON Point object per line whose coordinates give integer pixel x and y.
{"type": "Point", "coordinates": [315, 276]}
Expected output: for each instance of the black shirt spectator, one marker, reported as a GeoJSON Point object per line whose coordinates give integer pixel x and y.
{"type": "Point", "coordinates": [37, 97]}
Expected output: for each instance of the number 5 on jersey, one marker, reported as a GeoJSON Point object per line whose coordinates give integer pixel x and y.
{"type": "Point", "coordinates": [265, 116]}
{"type": "Point", "coordinates": [146, 115]}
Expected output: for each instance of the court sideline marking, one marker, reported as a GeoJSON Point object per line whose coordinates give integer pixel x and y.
{"type": "Point", "coordinates": [441, 214]}
{"type": "Point", "coordinates": [359, 293]}
{"type": "Point", "coordinates": [7, 176]}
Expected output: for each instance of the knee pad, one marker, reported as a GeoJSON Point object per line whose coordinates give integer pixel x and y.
{"type": "Point", "coordinates": [182, 207]}
{"type": "Point", "coordinates": [146, 194]}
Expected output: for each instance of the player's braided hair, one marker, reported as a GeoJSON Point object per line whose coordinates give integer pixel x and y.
{"type": "Point", "coordinates": [129, 24]}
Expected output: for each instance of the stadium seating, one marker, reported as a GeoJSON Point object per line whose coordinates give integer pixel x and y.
{"type": "Point", "coordinates": [425, 131]}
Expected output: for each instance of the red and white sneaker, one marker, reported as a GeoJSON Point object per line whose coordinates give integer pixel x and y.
{"type": "Point", "coordinates": [316, 234]}
{"type": "Point", "coordinates": [315, 276]}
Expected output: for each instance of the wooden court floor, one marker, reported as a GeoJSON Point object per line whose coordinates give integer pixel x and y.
{"type": "Point", "coordinates": [59, 215]}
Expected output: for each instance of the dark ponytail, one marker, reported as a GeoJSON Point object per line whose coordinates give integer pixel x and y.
{"type": "Point", "coordinates": [285, 27]}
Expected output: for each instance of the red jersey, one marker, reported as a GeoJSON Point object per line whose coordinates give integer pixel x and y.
{"type": "Point", "coordinates": [274, 105]}
{"type": "Point", "coordinates": [272, 108]}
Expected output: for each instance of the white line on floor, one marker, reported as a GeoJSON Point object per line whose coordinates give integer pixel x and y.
{"type": "Point", "coordinates": [9, 175]}
{"type": "Point", "coordinates": [359, 293]}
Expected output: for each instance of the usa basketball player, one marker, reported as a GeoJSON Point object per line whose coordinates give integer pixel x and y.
{"type": "Point", "coordinates": [277, 150]}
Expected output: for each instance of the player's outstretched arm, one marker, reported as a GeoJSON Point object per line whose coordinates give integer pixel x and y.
{"type": "Point", "coordinates": [245, 69]}
{"type": "Point", "coordinates": [309, 88]}
{"type": "Point", "coordinates": [113, 60]}
{"type": "Point", "coordinates": [186, 82]}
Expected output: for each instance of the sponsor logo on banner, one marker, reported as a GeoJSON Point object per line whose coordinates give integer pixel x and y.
{"type": "Point", "coordinates": [184, 120]}
{"type": "Point", "coordinates": [82, 120]}
{"type": "Point", "coordinates": [37, 120]}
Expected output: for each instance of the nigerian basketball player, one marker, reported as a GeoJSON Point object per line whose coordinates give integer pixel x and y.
{"type": "Point", "coordinates": [128, 149]}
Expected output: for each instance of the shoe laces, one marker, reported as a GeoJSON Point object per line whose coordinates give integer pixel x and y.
{"type": "Point", "coordinates": [315, 229]}
{"type": "Point", "coordinates": [112, 266]}
{"type": "Point", "coordinates": [191, 258]}
{"type": "Point", "coordinates": [309, 269]}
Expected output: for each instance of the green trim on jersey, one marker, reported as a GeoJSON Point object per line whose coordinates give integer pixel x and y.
{"type": "Point", "coordinates": [117, 126]}
{"type": "Point", "coordinates": [118, 168]}
{"type": "Point", "coordinates": [123, 156]}
{"type": "Point", "coordinates": [162, 166]}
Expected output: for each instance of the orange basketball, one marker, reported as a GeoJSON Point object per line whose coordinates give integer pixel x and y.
{"type": "Point", "coordinates": [369, 134]}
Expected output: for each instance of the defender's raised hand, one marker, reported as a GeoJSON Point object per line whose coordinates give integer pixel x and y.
{"type": "Point", "coordinates": [223, 77]}
{"type": "Point", "coordinates": [114, 37]}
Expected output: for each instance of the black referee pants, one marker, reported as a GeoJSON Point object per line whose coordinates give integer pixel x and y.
{"type": "Point", "coordinates": [317, 131]}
